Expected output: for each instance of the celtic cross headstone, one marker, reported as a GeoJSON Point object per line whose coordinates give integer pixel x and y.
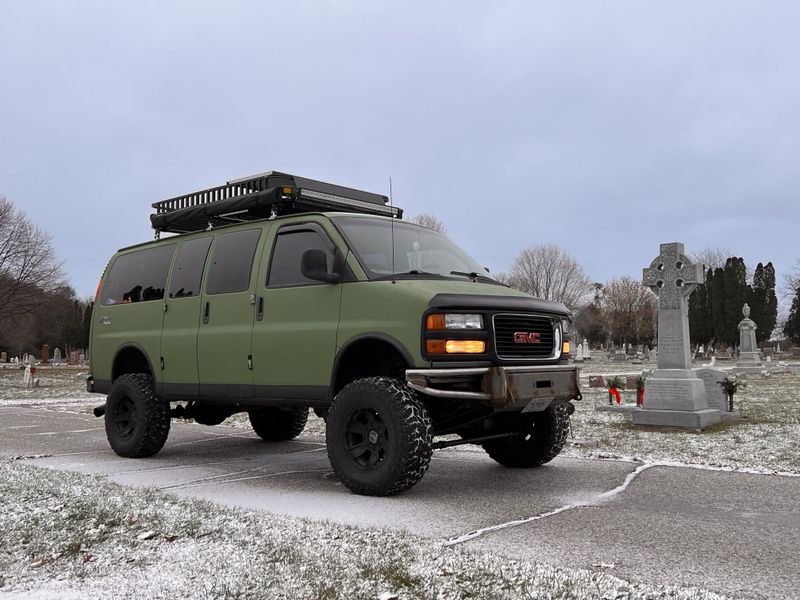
{"type": "Point", "coordinates": [673, 277]}
{"type": "Point", "coordinates": [673, 395]}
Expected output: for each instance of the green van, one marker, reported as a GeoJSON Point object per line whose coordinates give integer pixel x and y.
{"type": "Point", "coordinates": [277, 294]}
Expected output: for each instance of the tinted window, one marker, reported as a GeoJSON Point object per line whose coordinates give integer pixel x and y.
{"type": "Point", "coordinates": [289, 248]}
{"type": "Point", "coordinates": [138, 277]}
{"type": "Point", "coordinates": [232, 262]}
{"type": "Point", "coordinates": [188, 270]}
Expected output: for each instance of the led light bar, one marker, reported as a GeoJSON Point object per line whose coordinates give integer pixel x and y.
{"type": "Point", "coordinates": [349, 202]}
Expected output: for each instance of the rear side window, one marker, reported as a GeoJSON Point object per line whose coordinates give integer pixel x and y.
{"type": "Point", "coordinates": [139, 276]}
{"type": "Point", "coordinates": [188, 270]}
{"type": "Point", "coordinates": [289, 248]}
{"type": "Point", "coordinates": [232, 261]}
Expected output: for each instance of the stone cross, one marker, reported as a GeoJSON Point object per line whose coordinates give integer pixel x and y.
{"type": "Point", "coordinates": [673, 277]}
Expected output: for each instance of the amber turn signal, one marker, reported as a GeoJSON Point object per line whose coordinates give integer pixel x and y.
{"type": "Point", "coordinates": [435, 347]}
{"type": "Point", "coordinates": [455, 346]}
{"type": "Point", "coordinates": [465, 346]}
{"type": "Point", "coordinates": [435, 323]}
{"type": "Point", "coordinates": [565, 348]}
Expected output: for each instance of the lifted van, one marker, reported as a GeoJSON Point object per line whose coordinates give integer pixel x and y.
{"type": "Point", "coordinates": [278, 294]}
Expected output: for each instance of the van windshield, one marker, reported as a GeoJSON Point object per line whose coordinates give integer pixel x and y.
{"type": "Point", "coordinates": [418, 251]}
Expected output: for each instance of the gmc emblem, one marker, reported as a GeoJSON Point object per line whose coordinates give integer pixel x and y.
{"type": "Point", "coordinates": [526, 337]}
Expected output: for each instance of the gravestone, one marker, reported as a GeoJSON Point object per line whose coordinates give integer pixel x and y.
{"type": "Point", "coordinates": [73, 358]}
{"type": "Point", "coordinates": [57, 355]}
{"type": "Point", "coordinates": [674, 396]}
{"type": "Point", "coordinates": [3, 357]}
{"type": "Point", "coordinates": [82, 358]}
{"type": "Point", "coordinates": [701, 351]}
{"type": "Point", "coordinates": [579, 355]}
{"type": "Point", "coordinates": [749, 360]}
{"type": "Point", "coordinates": [45, 354]}
{"type": "Point", "coordinates": [597, 381]}
{"type": "Point", "coordinates": [620, 356]}
{"type": "Point", "coordinates": [586, 354]}
{"type": "Point", "coordinates": [715, 395]}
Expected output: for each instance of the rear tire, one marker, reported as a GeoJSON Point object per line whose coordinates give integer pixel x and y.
{"type": "Point", "coordinates": [274, 424]}
{"type": "Point", "coordinates": [137, 421]}
{"type": "Point", "coordinates": [540, 444]}
{"type": "Point", "coordinates": [379, 437]}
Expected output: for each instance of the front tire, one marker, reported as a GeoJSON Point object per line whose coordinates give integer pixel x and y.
{"type": "Point", "coordinates": [540, 444]}
{"type": "Point", "coordinates": [278, 425]}
{"type": "Point", "coordinates": [379, 437]}
{"type": "Point", "coordinates": [137, 421]}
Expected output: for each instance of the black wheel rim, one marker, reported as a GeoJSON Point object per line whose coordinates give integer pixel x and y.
{"type": "Point", "coordinates": [123, 418]}
{"type": "Point", "coordinates": [366, 438]}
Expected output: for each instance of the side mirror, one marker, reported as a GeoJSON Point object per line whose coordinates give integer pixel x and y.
{"type": "Point", "coordinates": [314, 265]}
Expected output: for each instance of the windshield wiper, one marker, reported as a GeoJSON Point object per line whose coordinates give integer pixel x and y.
{"type": "Point", "coordinates": [412, 272]}
{"type": "Point", "coordinates": [473, 275]}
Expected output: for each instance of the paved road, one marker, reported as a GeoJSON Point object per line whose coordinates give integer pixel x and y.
{"type": "Point", "coordinates": [731, 532]}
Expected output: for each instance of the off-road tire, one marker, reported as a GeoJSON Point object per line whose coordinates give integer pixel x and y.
{"type": "Point", "coordinates": [278, 425]}
{"type": "Point", "coordinates": [393, 458]}
{"type": "Point", "coordinates": [137, 421]}
{"type": "Point", "coordinates": [542, 443]}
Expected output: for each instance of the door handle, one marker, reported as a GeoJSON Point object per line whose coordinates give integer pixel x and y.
{"type": "Point", "coordinates": [260, 309]}
{"type": "Point", "coordinates": [206, 312]}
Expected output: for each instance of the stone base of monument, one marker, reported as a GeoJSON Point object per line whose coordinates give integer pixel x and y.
{"type": "Point", "coordinates": [616, 408]}
{"type": "Point", "coordinates": [730, 416]}
{"type": "Point", "coordinates": [676, 398]}
{"type": "Point", "coordinates": [749, 362]}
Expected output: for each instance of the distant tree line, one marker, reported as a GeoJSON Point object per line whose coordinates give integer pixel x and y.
{"type": "Point", "coordinates": [37, 306]}
{"type": "Point", "coordinates": [715, 307]}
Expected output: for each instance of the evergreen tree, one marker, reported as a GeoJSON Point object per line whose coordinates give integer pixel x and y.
{"type": "Point", "coordinates": [763, 301]}
{"type": "Point", "coordinates": [87, 322]}
{"type": "Point", "coordinates": [736, 293]}
{"type": "Point", "coordinates": [791, 329]}
{"type": "Point", "coordinates": [701, 325]}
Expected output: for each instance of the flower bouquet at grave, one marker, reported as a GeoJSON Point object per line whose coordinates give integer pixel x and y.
{"type": "Point", "coordinates": [614, 382]}
{"type": "Point", "coordinates": [730, 385]}
{"type": "Point", "coordinates": [640, 390]}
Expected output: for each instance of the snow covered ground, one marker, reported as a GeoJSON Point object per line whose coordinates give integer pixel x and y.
{"type": "Point", "coordinates": [65, 535]}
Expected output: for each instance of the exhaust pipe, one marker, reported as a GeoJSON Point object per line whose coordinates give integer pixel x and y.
{"type": "Point", "coordinates": [99, 411]}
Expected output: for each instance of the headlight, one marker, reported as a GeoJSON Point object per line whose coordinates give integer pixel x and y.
{"type": "Point", "coordinates": [457, 321]}
{"type": "Point", "coordinates": [566, 326]}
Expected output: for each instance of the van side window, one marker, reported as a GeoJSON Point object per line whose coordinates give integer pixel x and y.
{"type": "Point", "coordinates": [139, 276]}
{"type": "Point", "coordinates": [232, 261]}
{"type": "Point", "coordinates": [188, 270]}
{"type": "Point", "coordinates": [289, 248]}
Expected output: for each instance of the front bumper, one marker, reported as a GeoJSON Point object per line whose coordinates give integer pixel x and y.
{"type": "Point", "coordinates": [531, 388]}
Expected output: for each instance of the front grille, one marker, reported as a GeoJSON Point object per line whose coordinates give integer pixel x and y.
{"type": "Point", "coordinates": [506, 326]}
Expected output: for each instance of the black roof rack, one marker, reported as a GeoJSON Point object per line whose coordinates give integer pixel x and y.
{"type": "Point", "coordinates": [260, 196]}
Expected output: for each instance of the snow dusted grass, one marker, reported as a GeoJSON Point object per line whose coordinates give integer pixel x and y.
{"type": "Point", "coordinates": [765, 440]}
{"type": "Point", "coordinates": [57, 385]}
{"type": "Point", "coordinates": [64, 535]}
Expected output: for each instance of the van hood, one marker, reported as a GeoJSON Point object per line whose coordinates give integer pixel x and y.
{"type": "Point", "coordinates": [482, 296]}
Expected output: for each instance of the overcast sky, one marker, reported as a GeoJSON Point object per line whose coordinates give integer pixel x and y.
{"type": "Point", "coordinates": [604, 127]}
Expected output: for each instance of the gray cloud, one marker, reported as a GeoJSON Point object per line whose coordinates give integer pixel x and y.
{"type": "Point", "coordinates": [606, 128]}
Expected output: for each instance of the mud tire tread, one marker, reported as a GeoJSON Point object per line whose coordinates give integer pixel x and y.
{"type": "Point", "coordinates": [402, 408]}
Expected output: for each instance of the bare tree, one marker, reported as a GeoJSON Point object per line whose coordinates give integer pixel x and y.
{"type": "Point", "coordinates": [630, 310]}
{"type": "Point", "coordinates": [547, 272]}
{"type": "Point", "coordinates": [28, 266]}
{"type": "Point", "coordinates": [713, 257]}
{"type": "Point", "coordinates": [430, 221]}
{"type": "Point", "coordinates": [791, 280]}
